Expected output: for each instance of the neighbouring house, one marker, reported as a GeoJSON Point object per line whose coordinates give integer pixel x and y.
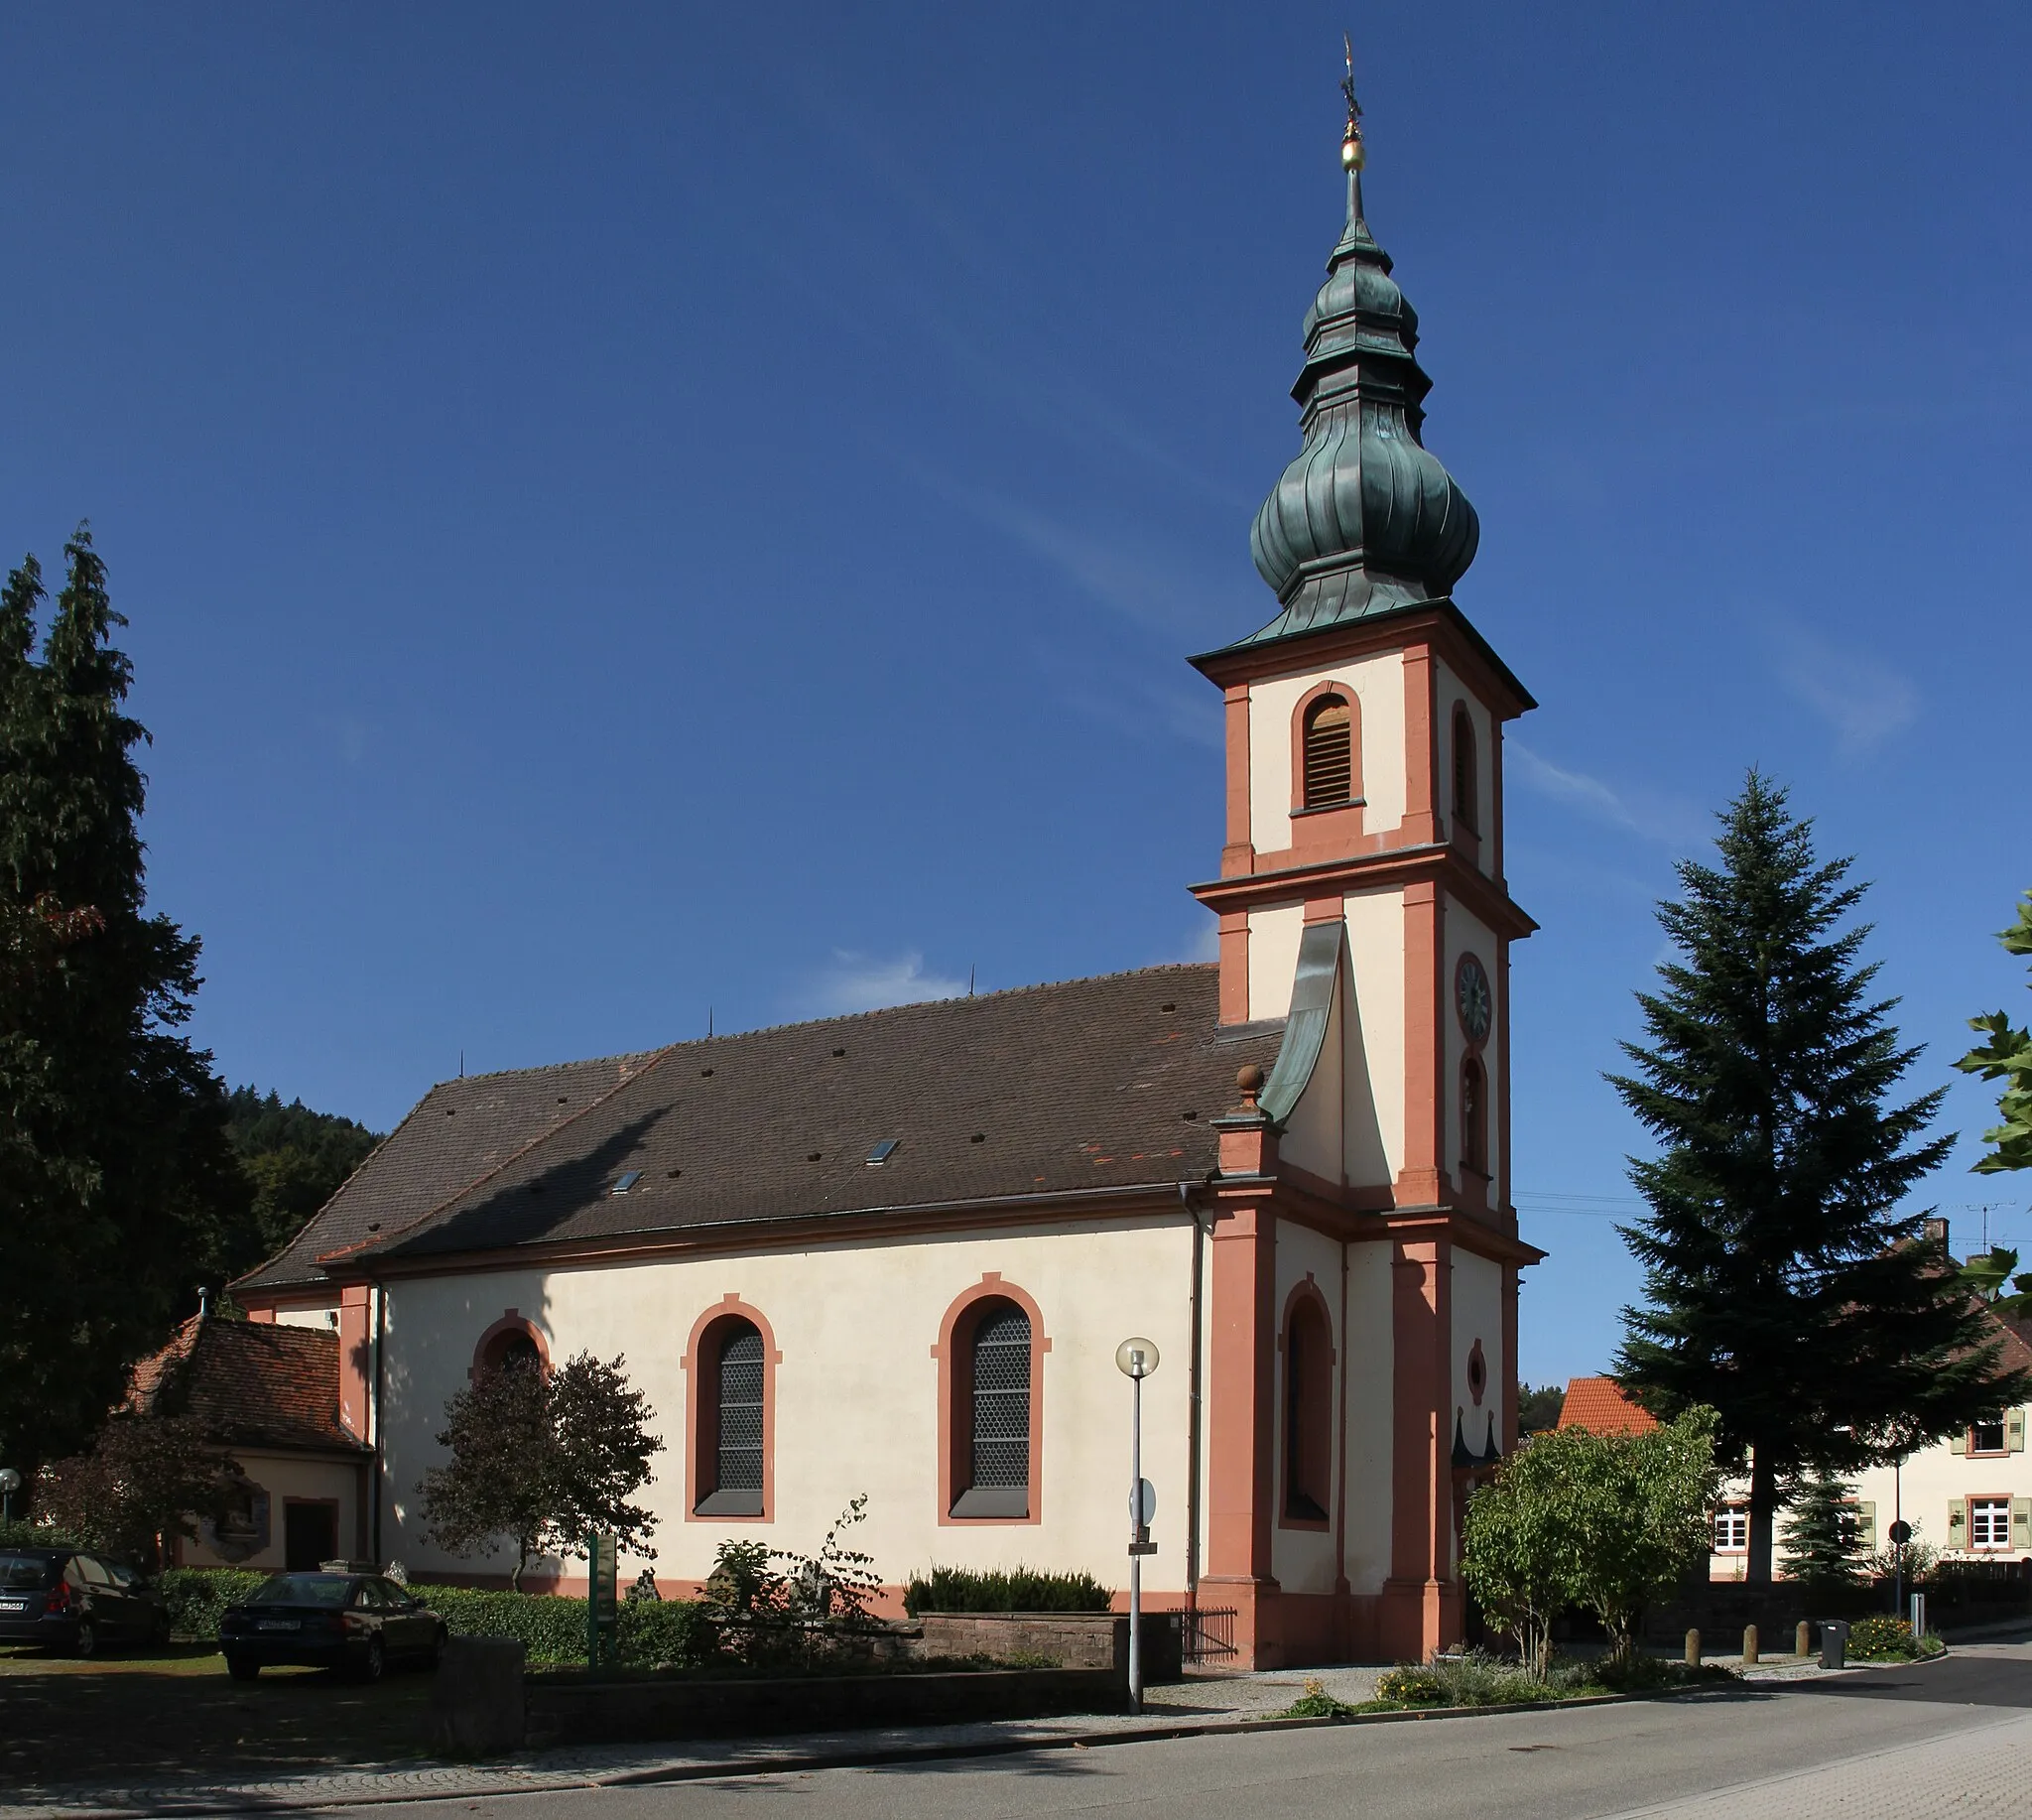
{"type": "Point", "coordinates": [1598, 1406]}
{"type": "Point", "coordinates": [270, 1395]}
{"type": "Point", "coordinates": [895, 1254]}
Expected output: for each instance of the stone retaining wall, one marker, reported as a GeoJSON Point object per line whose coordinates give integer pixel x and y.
{"type": "Point", "coordinates": [1072, 1639]}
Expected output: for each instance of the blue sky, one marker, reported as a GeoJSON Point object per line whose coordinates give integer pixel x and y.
{"type": "Point", "coordinates": [632, 509]}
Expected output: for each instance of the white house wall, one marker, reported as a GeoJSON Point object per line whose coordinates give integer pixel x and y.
{"type": "Point", "coordinates": [284, 1476]}
{"type": "Point", "coordinates": [1311, 1138]}
{"type": "Point", "coordinates": [1274, 936]}
{"type": "Point", "coordinates": [856, 1393]}
{"type": "Point", "coordinates": [1478, 1315]}
{"type": "Point", "coordinates": [1374, 1131]}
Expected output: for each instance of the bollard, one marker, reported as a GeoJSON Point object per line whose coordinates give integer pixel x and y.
{"type": "Point", "coordinates": [1693, 1649]}
{"type": "Point", "coordinates": [1749, 1645]}
{"type": "Point", "coordinates": [1833, 1643]}
{"type": "Point", "coordinates": [1802, 1639]}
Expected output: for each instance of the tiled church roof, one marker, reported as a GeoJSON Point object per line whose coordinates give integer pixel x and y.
{"type": "Point", "coordinates": [1048, 1091]}
{"type": "Point", "coordinates": [251, 1384]}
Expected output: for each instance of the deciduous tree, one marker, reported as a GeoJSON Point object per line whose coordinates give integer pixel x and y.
{"type": "Point", "coordinates": [146, 1479]}
{"type": "Point", "coordinates": [1784, 1286]}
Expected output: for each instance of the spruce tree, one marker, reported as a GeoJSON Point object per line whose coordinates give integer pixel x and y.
{"type": "Point", "coordinates": [1783, 1286]}
{"type": "Point", "coordinates": [122, 1194]}
{"type": "Point", "coordinates": [1821, 1546]}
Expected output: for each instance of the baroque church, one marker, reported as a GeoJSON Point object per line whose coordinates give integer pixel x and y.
{"type": "Point", "coordinates": [895, 1254]}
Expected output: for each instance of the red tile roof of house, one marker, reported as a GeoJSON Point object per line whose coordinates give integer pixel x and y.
{"type": "Point", "coordinates": [1598, 1406]}
{"type": "Point", "coordinates": [251, 1384]}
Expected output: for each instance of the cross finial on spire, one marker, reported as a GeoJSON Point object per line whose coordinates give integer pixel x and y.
{"type": "Point", "coordinates": [1351, 154]}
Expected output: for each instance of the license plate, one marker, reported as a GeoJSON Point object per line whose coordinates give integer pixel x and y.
{"type": "Point", "coordinates": [277, 1624]}
{"type": "Point", "coordinates": [12, 1605]}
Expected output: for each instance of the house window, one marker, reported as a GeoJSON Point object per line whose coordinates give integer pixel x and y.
{"type": "Point", "coordinates": [1732, 1529]}
{"type": "Point", "coordinates": [1328, 753]}
{"type": "Point", "coordinates": [1473, 1116]}
{"type": "Point", "coordinates": [1463, 768]}
{"type": "Point", "coordinates": [1988, 1437]}
{"type": "Point", "coordinates": [1308, 1412]}
{"type": "Point", "coordinates": [1989, 1523]}
{"type": "Point", "coordinates": [731, 1360]}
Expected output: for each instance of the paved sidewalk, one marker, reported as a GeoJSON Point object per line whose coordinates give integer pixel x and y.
{"type": "Point", "coordinates": [1210, 1703]}
{"type": "Point", "coordinates": [1971, 1776]}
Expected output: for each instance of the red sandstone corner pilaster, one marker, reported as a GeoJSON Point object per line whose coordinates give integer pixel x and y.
{"type": "Point", "coordinates": [1421, 1600]}
{"type": "Point", "coordinates": [1241, 1425]}
{"type": "Point", "coordinates": [1421, 1182]}
{"type": "Point", "coordinates": [1421, 749]}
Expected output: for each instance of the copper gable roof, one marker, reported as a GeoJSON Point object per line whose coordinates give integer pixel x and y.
{"type": "Point", "coordinates": [1048, 1092]}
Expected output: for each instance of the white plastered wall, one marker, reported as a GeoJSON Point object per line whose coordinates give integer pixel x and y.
{"type": "Point", "coordinates": [1465, 931]}
{"type": "Point", "coordinates": [322, 1318]}
{"type": "Point", "coordinates": [1370, 1375]}
{"type": "Point", "coordinates": [1311, 1136]}
{"type": "Point", "coordinates": [1377, 686]}
{"type": "Point", "coordinates": [1452, 689]}
{"type": "Point", "coordinates": [1303, 1560]}
{"type": "Point", "coordinates": [1374, 1126]}
{"type": "Point", "coordinates": [856, 1391]}
{"type": "Point", "coordinates": [1478, 1291]}
{"type": "Point", "coordinates": [1273, 958]}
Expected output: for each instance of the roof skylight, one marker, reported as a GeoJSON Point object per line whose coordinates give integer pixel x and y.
{"type": "Point", "coordinates": [626, 1180]}
{"type": "Point", "coordinates": [882, 1151]}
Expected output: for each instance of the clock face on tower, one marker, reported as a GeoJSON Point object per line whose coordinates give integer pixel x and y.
{"type": "Point", "coordinates": [1473, 1000]}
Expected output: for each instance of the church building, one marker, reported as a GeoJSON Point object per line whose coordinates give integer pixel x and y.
{"type": "Point", "coordinates": [895, 1254]}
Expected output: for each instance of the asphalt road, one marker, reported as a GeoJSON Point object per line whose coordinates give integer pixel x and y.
{"type": "Point", "coordinates": [1955, 1736]}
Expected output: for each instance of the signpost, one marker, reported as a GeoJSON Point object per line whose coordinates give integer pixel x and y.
{"type": "Point", "coordinates": [1137, 1358]}
{"type": "Point", "coordinates": [603, 1600]}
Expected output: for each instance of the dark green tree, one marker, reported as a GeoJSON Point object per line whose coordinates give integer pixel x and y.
{"type": "Point", "coordinates": [1783, 1287]}
{"type": "Point", "coordinates": [122, 1195]}
{"type": "Point", "coordinates": [1823, 1545]}
{"type": "Point", "coordinates": [295, 1161]}
{"type": "Point", "coordinates": [542, 1459]}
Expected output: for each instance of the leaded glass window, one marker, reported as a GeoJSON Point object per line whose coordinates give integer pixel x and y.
{"type": "Point", "coordinates": [1001, 1398]}
{"type": "Point", "coordinates": [740, 1409]}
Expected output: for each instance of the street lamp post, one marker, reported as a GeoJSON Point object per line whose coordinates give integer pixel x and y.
{"type": "Point", "coordinates": [10, 1483]}
{"type": "Point", "coordinates": [1137, 1358]}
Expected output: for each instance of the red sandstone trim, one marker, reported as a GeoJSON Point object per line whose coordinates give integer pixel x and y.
{"type": "Point", "coordinates": [955, 1396]}
{"type": "Point", "coordinates": [701, 1409]}
{"type": "Point", "coordinates": [512, 1321]}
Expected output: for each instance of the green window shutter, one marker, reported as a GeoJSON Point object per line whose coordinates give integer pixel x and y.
{"type": "Point", "coordinates": [1866, 1526]}
{"type": "Point", "coordinates": [1959, 1442]}
{"type": "Point", "coordinates": [2014, 1431]}
{"type": "Point", "coordinates": [2021, 1522]}
{"type": "Point", "coordinates": [1957, 1524]}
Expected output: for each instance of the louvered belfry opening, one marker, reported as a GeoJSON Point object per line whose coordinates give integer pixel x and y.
{"type": "Point", "coordinates": [1463, 769]}
{"type": "Point", "coordinates": [1330, 752]}
{"type": "Point", "coordinates": [739, 1452]}
{"type": "Point", "coordinates": [1001, 1398]}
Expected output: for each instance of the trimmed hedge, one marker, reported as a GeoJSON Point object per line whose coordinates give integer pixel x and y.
{"type": "Point", "coordinates": [673, 1632]}
{"type": "Point", "coordinates": [19, 1534]}
{"type": "Point", "coordinates": [1020, 1589]}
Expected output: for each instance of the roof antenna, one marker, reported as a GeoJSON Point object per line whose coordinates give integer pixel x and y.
{"type": "Point", "coordinates": [461, 1064]}
{"type": "Point", "coordinates": [709, 1020]}
{"type": "Point", "coordinates": [970, 980]}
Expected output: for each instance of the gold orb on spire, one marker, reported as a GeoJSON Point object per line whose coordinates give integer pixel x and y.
{"type": "Point", "coordinates": [1352, 154]}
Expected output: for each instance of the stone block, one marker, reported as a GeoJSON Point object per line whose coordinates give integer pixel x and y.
{"type": "Point", "coordinates": [477, 1704]}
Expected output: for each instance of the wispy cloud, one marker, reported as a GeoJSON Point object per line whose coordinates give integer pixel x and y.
{"type": "Point", "coordinates": [867, 983]}
{"type": "Point", "coordinates": [1862, 699]}
{"type": "Point", "coordinates": [1641, 812]}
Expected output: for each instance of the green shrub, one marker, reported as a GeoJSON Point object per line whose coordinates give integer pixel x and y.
{"type": "Point", "coordinates": [20, 1534]}
{"type": "Point", "coordinates": [1881, 1639]}
{"type": "Point", "coordinates": [195, 1595]}
{"type": "Point", "coordinates": [1411, 1686]}
{"type": "Point", "coordinates": [1316, 1703]}
{"type": "Point", "coordinates": [672, 1632]}
{"type": "Point", "coordinates": [1020, 1589]}
{"type": "Point", "coordinates": [1475, 1679]}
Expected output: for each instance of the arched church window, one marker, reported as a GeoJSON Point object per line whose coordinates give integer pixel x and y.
{"type": "Point", "coordinates": [996, 1407]}
{"type": "Point", "coordinates": [730, 1440]}
{"type": "Point", "coordinates": [1328, 753]}
{"type": "Point", "coordinates": [511, 1344]}
{"type": "Point", "coordinates": [1473, 1116]}
{"type": "Point", "coordinates": [1465, 780]}
{"type": "Point", "coordinates": [1308, 1412]}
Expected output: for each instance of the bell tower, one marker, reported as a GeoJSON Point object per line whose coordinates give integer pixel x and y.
{"type": "Point", "coordinates": [1364, 729]}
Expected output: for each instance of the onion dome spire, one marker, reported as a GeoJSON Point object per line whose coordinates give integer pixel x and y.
{"type": "Point", "coordinates": [1365, 518]}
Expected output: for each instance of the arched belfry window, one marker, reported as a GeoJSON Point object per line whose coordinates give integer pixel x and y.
{"type": "Point", "coordinates": [1308, 1412]}
{"type": "Point", "coordinates": [1465, 780]}
{"type": "Point", "coordinates": [1327, 752]}
{"type": "Point", "coordinates": [995, 1396]}
{"type": "Point", "coordinates": [1473, 1116]}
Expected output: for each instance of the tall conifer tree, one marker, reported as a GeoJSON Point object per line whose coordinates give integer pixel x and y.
{"type": "Point", "coordinates": [122, 1193]}
{"type": "Point", "coordinates": [1783, 1288]}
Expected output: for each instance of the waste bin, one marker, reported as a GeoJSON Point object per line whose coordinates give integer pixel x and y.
{"type": "Point", "coordinates": [1834, 1643]}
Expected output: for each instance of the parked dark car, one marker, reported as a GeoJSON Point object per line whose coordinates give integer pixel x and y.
{"type": "Point", "coordinates": [358, 1623]}
{"type": "Point", "coordinates": [79, 1603]}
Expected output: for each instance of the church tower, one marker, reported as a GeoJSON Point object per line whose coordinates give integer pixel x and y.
{"type": "Point", "coordinates": [1362, 911]}
{"type": "Point", "coordinates": [1364, 768]}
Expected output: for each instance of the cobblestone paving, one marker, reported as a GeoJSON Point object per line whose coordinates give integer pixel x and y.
{"type": "Point", "coordinates": [1971, 1776]}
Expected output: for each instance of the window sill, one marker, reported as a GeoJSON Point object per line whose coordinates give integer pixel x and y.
{"type": "Point", "coordinates": [729, 1504]}
{"type": "Point", "coordinates": [1299, 811]}
{"type": "Point", "coordinates": [1011, 1503]}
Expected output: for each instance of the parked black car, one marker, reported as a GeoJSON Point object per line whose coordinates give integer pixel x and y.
{"type": "Point", "coordinates": [358, 1622]}
{"type": "Point", "coordinates": [80, 1603]}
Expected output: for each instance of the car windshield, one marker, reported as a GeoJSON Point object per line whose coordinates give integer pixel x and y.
{"type": "Point", "coordinates": [303, 1589]}
{"type": "Point", "coordinates": [24, 1573]}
